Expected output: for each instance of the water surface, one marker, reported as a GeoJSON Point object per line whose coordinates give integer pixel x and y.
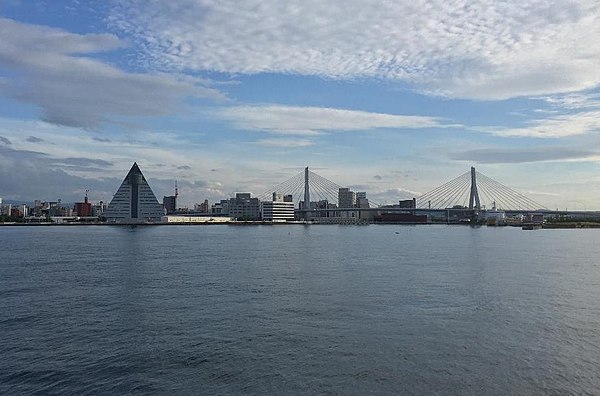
{"type": "Point", "coordinates": [374, 309]}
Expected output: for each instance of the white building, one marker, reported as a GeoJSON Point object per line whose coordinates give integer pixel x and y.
{"type": "Point", "coordinates": [280, 209]}
{"type": "Point", "coordinates": [134, 201]}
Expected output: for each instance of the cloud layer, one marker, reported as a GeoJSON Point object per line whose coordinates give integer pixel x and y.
{"type": "Point", "coordinates": [557, 126]}
{"type": "Point", "coordinates": [468, 49]}
{"type": "Point", "coordinates": [516, 155]}
{"type": "Point", "coordinates": [298, 120]}
{"type": "Point", "coordinates": [49, 71]}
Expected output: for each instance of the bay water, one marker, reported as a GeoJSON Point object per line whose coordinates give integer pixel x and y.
{"type": "Point", "coordinates": [293, 309]}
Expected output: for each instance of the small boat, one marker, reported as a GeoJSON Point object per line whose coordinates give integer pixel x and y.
{"type": "Point", "coordinates": [531, 227]}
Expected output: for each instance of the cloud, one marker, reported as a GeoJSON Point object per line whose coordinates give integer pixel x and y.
{"type": "Point", "coordinates": [554, 127]}
{"type": "Point", "coordinates": [295, 120]}
{"type": "Point", "coordinates": [101, 140]}
{"type": "Point", "coordinates": [28, 175]}
{"type": "Point", "coordinates": [5, 140]}
{"type": "Point", "coordinates": [48, 69]}
{"type": "Point", "coordinates": [466, 49]}
{"type": "Point", "coordinates": [285, 143]}
{"type": "Point", "coordinates": [33, 139]}
{"type": "Point", "coordinates": [83, 162]}
{"type": "Point", "coordinates": [573, 101]}
{"type": "Point", "coordinates": [391, 195]}
{"type": "Point", "coordinates": [536, 154]}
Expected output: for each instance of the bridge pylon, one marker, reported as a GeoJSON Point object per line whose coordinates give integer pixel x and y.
{"type": "Point", "coordinates": [474, 202]}
{"type": "Point", "coordinates": [306, 194]}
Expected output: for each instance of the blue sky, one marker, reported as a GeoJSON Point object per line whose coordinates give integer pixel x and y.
{"type": "Point", "coordinates": [394, 98]}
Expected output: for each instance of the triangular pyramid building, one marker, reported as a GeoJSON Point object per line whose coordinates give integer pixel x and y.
{"type": "Point", "coordinates": [134, 201]}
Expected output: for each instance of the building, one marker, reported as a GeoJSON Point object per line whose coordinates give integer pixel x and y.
{"type": "Point", "coordinates": [346, 198]}
{"type": "Point", "coordinates": [134, 201]}
{"type": "Point", "coordinates": [203, 207]}
{"type": "Point", "coordinates": [280, 209]}
{"type": "Point", "coordinates": [98, 209]}
{"type": "Point", "coordinates": [398, 218]}
{"type": "Point", "coordinates": [221, 208]}
{"type": "Point", "coordinates": [408, 203]}
{"type": "Point", "coordinates": [361, 200]}
{"type": "Point", "coordinates": [83, 209]}
{"type": "Point", "coordinates": [244, 207]}
{"type": "Point", "coordinates": [170, 203]}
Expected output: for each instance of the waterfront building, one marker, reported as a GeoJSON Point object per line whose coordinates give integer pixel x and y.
{"type": "Point", "coordinates": [362, 202]}
{"type": "Point", "coordinates": [280, 209]}
{"type": "Point", "coordinates": [51, 209]}
{"type": "Point", "coordinates": [408, 203]}
{"type": "Point", "coordinates": [244, 207]}
{"type": "Point", "coordinates": [322, 204]}
{"type": "Point", "coordinates": [203, 207]}
{"type": "Point", "coordinates": [221, 207]}
{"type": "Point", "coordinates": [134, 201]}
{"type": "Point", "coordinates": [98, 209]}
{"type": "Point", "coordinates": [360, 195]}
{"type": "Point", "coordinates": [346, 198]}
{"type": "Point", "coordinates": [170, 203]}
{"type": "Point", "coordinates": [83, 209]}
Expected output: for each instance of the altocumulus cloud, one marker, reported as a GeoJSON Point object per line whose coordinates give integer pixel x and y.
{"type": "Point", "coordinates": [467, 48]}
{"type": "Point", "coordinates": [557, 126]}
{"type": "Point", "coordinates": [75, 90]}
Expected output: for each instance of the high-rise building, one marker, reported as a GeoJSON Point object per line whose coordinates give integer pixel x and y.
{"type": "Point", "coordinates": [134, 201]}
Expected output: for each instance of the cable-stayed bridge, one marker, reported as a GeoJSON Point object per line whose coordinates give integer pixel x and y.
{"type": "Point", "coordinates": [465, 193]}
{"type": "Point", "coordinates": [470, 189]}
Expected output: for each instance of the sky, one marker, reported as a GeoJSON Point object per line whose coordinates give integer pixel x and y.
{"type": "Point", "coordinates": [390, 97]}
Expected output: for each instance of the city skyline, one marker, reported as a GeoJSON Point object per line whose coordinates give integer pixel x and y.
{"type": "Point", "coordinates": [239, 96]}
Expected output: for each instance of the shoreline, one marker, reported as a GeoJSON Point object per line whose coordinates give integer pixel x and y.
{"type": "Point", "coordinates": [566, 225]}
